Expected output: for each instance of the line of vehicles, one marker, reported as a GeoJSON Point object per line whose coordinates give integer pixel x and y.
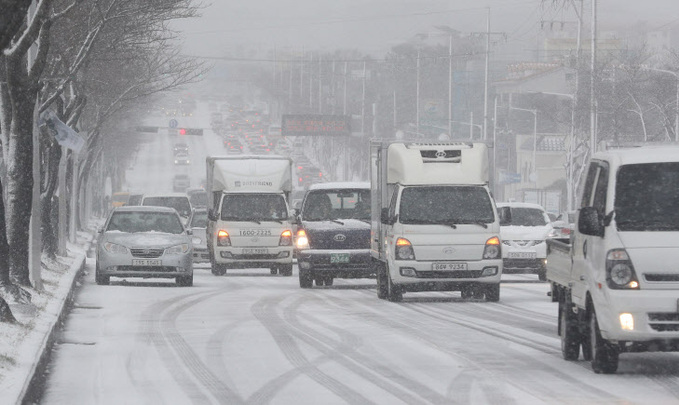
{"type": "Point", "coordinates": [428, 222]}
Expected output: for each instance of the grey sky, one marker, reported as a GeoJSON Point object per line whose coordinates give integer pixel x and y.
{"type": "Point", "coordinates": [376, 25]}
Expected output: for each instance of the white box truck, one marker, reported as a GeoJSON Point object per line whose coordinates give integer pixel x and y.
{"type": "Point", "coordinates": [616, 278]}
{"type": "Point", "coordinates": [249, 219]}
{"type": "Point", "coordinates": [434, 224]}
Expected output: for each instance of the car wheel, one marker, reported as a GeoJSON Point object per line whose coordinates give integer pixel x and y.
{"type": "Point", "coordinates": [100, 279]}
{"type": "Point", "coordinates": [492, 293]}
{"type": "Point", "coordinates": [305, 279]}
{"type": "Point", "coordinates": [286, 270]}
{"type": "Point", "coordinates": [569, 333]}
{"type": "Point", "coordinates": [381, 275]}
{"type": "Point", "coordinates": [274, 270]}
{"type": "Point", "coordinates": [184, 281]}
{"type": "Point", "coordinates": [394, 293]}
{"type": "Point", "coordinates": [466, 293]}
{"type": "Point", "coordinates": [604, 355]}
{"type": "Point", "coordinates": [328, 280]}
{"type": "Point", "coordinates": [319, 281]}
{"type": "Point", "coordinates": [542, 275]}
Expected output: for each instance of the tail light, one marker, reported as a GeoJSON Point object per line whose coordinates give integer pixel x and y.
{"type": "Point", "coordinates": [492, 250]}
{"type": "Point", "coordinates": [286, 238]}
{"type": "Point", "coordinates": [223, 238]}
{"type": "Point", "coordinates": [404, 249]}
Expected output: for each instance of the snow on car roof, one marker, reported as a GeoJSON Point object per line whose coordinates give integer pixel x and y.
{"type": "Point", "coordinates": [339, 184]}
{"type": "Point", "coordinates": [520, 205]}
{"type": "Point", "coordinates": [145, 208]}
{"type": "Point", "coordinates": [662, 152]}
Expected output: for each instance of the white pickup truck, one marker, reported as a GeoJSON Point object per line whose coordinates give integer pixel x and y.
{"type": "Point", "coordinates": [616, 279]}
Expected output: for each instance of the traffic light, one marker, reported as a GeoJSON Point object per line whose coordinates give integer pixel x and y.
{"type": "Point", "coordinates": [190, 131]}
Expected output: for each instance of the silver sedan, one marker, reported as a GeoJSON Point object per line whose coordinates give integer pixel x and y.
{"type": "Point", "coordinates": [147, 242]}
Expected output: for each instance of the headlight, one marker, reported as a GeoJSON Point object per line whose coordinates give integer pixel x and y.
{"type": "Point", "coordinates": [302, 240]}
{"type": "Point", "coordinates": [196, 240]}
{"type": "Point", "coordinates": [492, 249]}
{"type": "Point", "coordinates": [620, 274]}
{"type": "Point", "coordinates": [115, 248]}
{"type": "Point", "coordinates": [404, 249]}
{"type": "Point", "coordinates": [177, 250]}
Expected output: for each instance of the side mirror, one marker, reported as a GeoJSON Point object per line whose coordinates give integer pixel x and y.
{"type": "Point", "coordinates": [189, 232]}
{"type": "Point", "coordinates": [590, 222]}
{"type": "Point", "coordinates": [385, 218]}
{"type": "Point", "coordinates": [100, 229]}
{"type": "Point", "coordinates": [211, 215]}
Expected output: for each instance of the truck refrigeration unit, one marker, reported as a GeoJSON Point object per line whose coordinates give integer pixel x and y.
{"type": "Point", "coordinates": [249, 220]}
{"type": "Point", "coordinates": [434, 222]}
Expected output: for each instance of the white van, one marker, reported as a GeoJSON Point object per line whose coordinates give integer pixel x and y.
{"type": "Point", "coordinates": [434, 222]}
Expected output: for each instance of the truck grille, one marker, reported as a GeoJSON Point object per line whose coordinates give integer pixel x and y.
{"type": "Point", "coordinates": [256, 257]}
{"type": "Point", "coordinates": [449, 274]}
{"type": "Point", "coordinates": [664, 321]}
{"type": "Point", "coordinates": [656, 277]}
{"type": "Point", "coordinates": [147, 253]}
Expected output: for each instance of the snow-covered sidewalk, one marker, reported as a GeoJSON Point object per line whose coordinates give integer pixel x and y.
{"type": "Point", "coordinates": [24, 346]}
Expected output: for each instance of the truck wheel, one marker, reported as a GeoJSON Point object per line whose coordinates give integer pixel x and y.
{"type": "Point", "coordinates": [319, 281]}
{"type": "Point", "coordinates": [274, 270]}
{"type": "Point", "coordinates": [542, 275]}
{"type": "Point", "coordinates": [604, 355]}
{"type": "Point", "coordinates": [381, 274]}
{"type": "Point", "coordinates": [328, 280]}
{"type": "Point", "coordinates": [394, 294]}
{"type": "Point", "coordinates": [285, 270]}
{"type": "Point", "coordinates": [184, 281]}
{"type": "Point", "coordinates": [305, 279]}
{"type": "Point", "coordinates": [493, 293]}
{"type": "Point", "coordinates": [569, 333]}
{"type": "Point", "coordinates": [218, 269]}
{"type": "Point", "coordinates": [466, 293]}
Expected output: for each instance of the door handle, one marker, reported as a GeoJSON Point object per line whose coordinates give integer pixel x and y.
{"type": "Point", "coordinates": [584, 249]}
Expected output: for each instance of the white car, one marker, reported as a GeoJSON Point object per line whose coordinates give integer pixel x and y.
{"type": "Point", "coordinates": [182, 159]}
{"type": "Point", "coordinates": [524, 227]}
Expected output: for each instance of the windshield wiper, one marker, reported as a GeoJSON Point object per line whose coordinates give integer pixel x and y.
{"type": "Point", "coordinates": [336, 221]}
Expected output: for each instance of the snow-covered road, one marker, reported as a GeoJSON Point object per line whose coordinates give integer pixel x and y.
{"type": "Point", "coordinates": [253, 338]}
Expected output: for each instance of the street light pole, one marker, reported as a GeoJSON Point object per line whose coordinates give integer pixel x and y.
{"type": "Point", "coordinates": [535, 142]}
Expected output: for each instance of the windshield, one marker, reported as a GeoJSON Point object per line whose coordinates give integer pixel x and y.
{"type": "Point", "coordinates": [254, 207]}
{"type": "Point", "coordinates": [337, 204]}
{"type": "Point", "coordinates": [647, 197]}
{"type": "Point", "coordinates": [521, 216]}
{"type": "Point", "coordinates": [446, 205]}
{"type": "Point", "coordinates": [133, 222]}
{"type": "Point", "coordinates": [198, 199]}
{"type": "Point", "coordinates": [199, 219]}
{"type": "Point", "coordinates": [181, 204]}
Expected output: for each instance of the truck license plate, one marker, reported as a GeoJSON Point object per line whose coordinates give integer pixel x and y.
{"type": "Point", "coordinates": [449, 266]}
{"type": "Point", "coordinates": [339, 257]}
{"type": "Point", "coordinates": [251, 251]}
{"type": "Point", "coordinates": [522, 255]}
{"type": "Point", "coordinates": [255, 232]}
{"type": "Point", "coordinates": [147, 262]}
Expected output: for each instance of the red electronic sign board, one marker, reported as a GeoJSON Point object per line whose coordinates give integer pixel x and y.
{"type": "Point", "coordinates": [315, 125]}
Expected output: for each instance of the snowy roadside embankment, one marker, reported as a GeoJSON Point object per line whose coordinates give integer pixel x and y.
{"type": "Point", "coordinates": [24, 346]}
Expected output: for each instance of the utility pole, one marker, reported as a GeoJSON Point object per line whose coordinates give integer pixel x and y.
{"type": "Point", "coordinates": [485, 81]}
{"type": "Point", "coordinates": [417, 96]}
{"type": "Point", "coordinates": [592, 99]}
{"type": "Point", "coordinates": [320, 86]}
{"type": "Point", "coordinates": [344, 101]}
{"type": "Point", "coordinates": [363, 103]}
{"type": "Point", "coordinates": [301, 77]}
{"type": "Point", "coordinates": [311, 80]}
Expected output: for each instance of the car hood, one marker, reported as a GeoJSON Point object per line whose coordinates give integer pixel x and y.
{"type": "Point", "coordinates": [145, 239]}
{"type": "Point", "coordinates": [514, 232]}
{"type": "Point", "coordinates": [351, 234]}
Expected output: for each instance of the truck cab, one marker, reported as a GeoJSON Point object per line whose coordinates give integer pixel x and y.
{"type": "Point", "coordinates": [434, 224]}
{"type": "Point", "coordinates": [249, 219]}
{"type": "Point", "coordinates": [616, 279]}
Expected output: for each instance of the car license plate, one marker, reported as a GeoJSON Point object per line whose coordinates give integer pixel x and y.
{"type": "Point", "coordinates": [147, 262]}
{"type": "Point", "coordinates": [255, 232]}
{"type": "Point", "coordinates": [449, 266]}
{"type": "Point", "coordinates": [252, 251]}
{"type": "Point", "coordinates": [522, 255]}
{"type": "Point", "coordinates": [339, 257]}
